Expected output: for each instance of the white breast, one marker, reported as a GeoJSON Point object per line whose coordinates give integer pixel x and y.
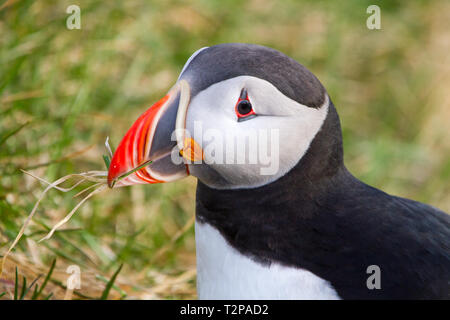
{"type": "Point", "coordinates": [224, 273]}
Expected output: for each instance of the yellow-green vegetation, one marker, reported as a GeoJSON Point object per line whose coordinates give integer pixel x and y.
{"type": "Point", "coordinates": [62, 92]}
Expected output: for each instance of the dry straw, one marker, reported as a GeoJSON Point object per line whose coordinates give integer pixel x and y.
{"type": "Point", "coordinates": [99, 178]}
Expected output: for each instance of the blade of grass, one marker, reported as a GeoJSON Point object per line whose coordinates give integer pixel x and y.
{"type": "Point", "coordinates": [36, 289]}
{"type": "Point", "coordinates": [107, 161]}
{"type": "Point", "coordinates": [23, 292]}
{"type": "Point", "coordinates": [12, 132]}
{"type": "Point", "coordinates": [49, 296]}
{"type": "Point", "coordinates": [47, 277]}
{"type": "Point", "coordinates": [126, 174]}
{"type": "Point", "coordinates": [16, 285]}
{"type": "Point", "coordinates": [110, 283]}
{"type": "Point", "coordinates": [123, 294]}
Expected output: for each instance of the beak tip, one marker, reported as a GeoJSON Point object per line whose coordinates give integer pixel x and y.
{"type": "Point", "coordinates": [111, 183]}
{"type": "Point", "coordinates": [112, 175]}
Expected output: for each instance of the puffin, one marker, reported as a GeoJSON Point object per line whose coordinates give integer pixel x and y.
{"type": "Point", "coordinates": [278, 214]}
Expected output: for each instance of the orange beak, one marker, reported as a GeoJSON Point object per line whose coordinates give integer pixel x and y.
{"type": "Point", "coordinates": [150, 152]}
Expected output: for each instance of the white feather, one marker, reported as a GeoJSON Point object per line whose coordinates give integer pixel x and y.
{"type": "Point", "coordinates": [214, 110]}
{"type": "Point", "coordinates": [224, 273]}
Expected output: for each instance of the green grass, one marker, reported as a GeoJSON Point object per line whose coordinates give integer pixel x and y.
{"type": "Point", "coordinates": [62, 92]}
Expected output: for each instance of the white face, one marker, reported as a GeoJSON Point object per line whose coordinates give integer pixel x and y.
{"type": "Point", "coordinates": [256, 151]}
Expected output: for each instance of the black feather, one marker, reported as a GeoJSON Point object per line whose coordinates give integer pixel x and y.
{"type": "Point", "coordinates": [321, 218]}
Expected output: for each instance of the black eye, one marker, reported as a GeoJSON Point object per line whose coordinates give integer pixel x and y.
{"type": "Point", "coordinates": [244, 110]}
{"type": "Point", "coordinates": [244, 107]}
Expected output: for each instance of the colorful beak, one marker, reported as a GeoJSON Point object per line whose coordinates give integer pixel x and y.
{"type": "Point", "coordinates": [150, 151]}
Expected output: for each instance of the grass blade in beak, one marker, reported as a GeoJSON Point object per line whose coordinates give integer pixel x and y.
{"type": "Point", "coordinates": [108, 147]}
{"type": "Point", "coordinates": [107, 161]}
{"type": "Point", "coordinates": [126, 174]}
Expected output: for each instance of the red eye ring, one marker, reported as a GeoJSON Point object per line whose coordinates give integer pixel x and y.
{"type": "Point", "coordinates": [243, 108]}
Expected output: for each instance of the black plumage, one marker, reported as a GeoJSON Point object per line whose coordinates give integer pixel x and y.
{"type": "Point", "coordinates": [318, 216]}
{"type": "Point", "coordinates": [321, 218]}
{"type": "Point", "coordinates": [229, 60]}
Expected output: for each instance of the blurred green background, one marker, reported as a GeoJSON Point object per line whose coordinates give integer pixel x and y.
{"type": "Point", "coordinates": [62, 92]}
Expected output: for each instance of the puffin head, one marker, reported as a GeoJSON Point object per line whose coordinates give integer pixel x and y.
{"type": "Point", "coordinates": [239, 116]}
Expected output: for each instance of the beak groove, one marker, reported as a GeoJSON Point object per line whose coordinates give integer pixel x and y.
{"type": "Point", "coordinates": [145, 153]}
